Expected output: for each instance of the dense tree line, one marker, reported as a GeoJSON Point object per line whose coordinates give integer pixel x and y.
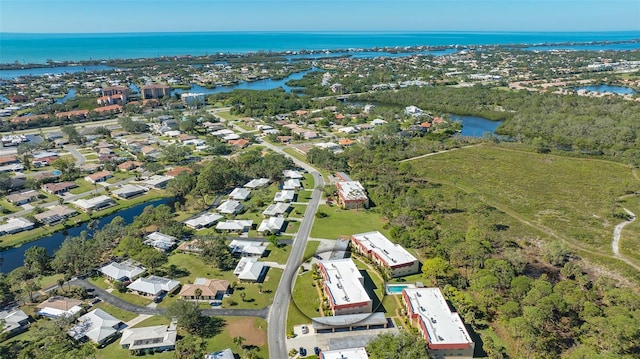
{"type": "Point", "coordinates": [607, 125]}
{"type": "Point", "coordinates": [261, 103]}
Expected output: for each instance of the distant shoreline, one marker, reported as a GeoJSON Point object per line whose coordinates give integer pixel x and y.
{"type": "Point", "coordinates": [21, 50]}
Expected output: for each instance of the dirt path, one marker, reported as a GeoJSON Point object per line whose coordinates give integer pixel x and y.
{"type": "Point", "coordinates": [617, 233]}
{"type": "Point", "coordinates": [439, 152]}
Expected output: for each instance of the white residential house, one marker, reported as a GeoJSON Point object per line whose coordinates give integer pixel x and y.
{"type": "Point", "coordinates": [292, 174]}
{"type": "Point", "coordinates": [129, 191]}
{"type": "Point", "coordinates": [123, 271]}
{"type": "Point", "coordinates": [230, 207]}
{"type": "Point", "coordinates": [257, 183]}
{"type": "Point", "coordinates": [247, 248]}
{"type": "Point", "coordinates": [412, 111]}
{"type": "Point", "coordinates": [276, 209]}
{"type": "Point", "coordinates": [14, 321]}
{"type": "Point", "coordinates": [157, 338]}
{"type": "Point", "coordinates": [160, 241]}
{"type": "Point", "coordinates": [153, 285]}
{"type": "Point", "coordinates": [348, 353]}
{"type": "Point", "coordinates": [157, 181]}
{"type": "Point", "coordinates": [97, 326]}
{"type": "Point", "coordinates": [291, 184]}
{"type": "Point", "coordinates": [223, 354]}
{"type": "Point", "coordinates": [235, 225]}
{"type": "Point", "coordinates": [94, 204]}
{"type": "Point", "coordinates": [15, 225]}
{"type": "Point", "coordinates": [240, 194]}
{"type": "Point", "coordinates": [271, 225]}
{"type": "Point", "coordinates": [249, 269]}
{"type": "Point", "coordinates": [203, 221]}
{"type": "Point", "coordinates": [285, 196]}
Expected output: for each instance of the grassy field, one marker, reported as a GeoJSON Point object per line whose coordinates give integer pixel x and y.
{"type": "Point", "coordinates": [277, 254]}
{"type": "Point", "coordinates": [305, 303]}
{"type": "Point", "coordinates": [573, 197]}
{"type": "Point", "coordinates": [8, 206]}
{"type": "Point", "coordinates": [123, 315]}
{"type": "Point", "coordinates": [297, 210]}
{"type": "Point", "coordinates": [227, 116]}
{"type": "Point", "coordinates": [340, 222]}
{"type": "Point", "coordinates": [538, 196]}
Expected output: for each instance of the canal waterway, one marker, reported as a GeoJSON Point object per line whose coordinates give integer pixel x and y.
{"type": "Point", "coordinates": [620, 90]}
{"type": "Point", "coordinates": [473, 126]}
{"type": "Point", "coordinates": [267, 84]}
{"type": "Point", "coordinates": [14, 257]}
{"type": "Point", "coordinates": [69, 96]}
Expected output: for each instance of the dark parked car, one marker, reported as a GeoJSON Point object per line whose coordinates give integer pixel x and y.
{"type": "Point", "coordinates": [316, 351]}
{"type": "Point", "coordinates": [303, 352]}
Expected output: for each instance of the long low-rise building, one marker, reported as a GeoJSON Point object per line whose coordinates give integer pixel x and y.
{"type": "Point", "coordinates": [129, 191]}
{"type": "Point", "coordinates": [351, 353]}
{"type": "Point", "coordinates": [443, 330]}
{"type": "Point", "coordinates": [344, 286]}
{"type": "Point", "coordinates": [383, 252]}
{"type": "Point", "coordinates": [55, 215]}
{"type": "Point", "coordinates": [15, 225]}
{"type": "Point", "coordinates": [203, 221]}
{"type": "Point", "coordinates": [94, 204]}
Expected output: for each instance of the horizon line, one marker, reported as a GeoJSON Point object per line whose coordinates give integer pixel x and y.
{"type": "Point", "coordinates": [332, 32]}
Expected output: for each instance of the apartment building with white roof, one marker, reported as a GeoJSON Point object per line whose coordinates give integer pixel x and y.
{"type": "Point", "coordinates": [443, 330]}
{"type": "Point", "coordinates": [383, 252]}
{"type": "Point", "coordinates": [344, 287]}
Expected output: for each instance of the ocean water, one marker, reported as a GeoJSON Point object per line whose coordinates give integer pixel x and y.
{"type": "Point", "coordinates": [39, 48]}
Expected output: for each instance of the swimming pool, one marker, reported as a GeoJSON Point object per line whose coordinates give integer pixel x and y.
{"type": "Point", "coordinates": [397, 288]}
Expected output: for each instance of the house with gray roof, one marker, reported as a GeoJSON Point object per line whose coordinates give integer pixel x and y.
{"type": "Point", "coordinates": [123, 271]}
{"type": "Point", "coordinates": [14, 321]}
{"type": "Point", "coordinates": [153, 285]}
{"type": "Point", "coordinates": [97, 326]}
{"type": "Point", "coordinates": [157, 338]}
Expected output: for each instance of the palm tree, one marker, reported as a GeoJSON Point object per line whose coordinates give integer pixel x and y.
{"type": "Point", "coordinates": [198, 293]}
{"type": "Point", "coordinates": [60, 283]}
{"type": "Point", "coordinates": [239, 340]}
{"type": "Point", "coordinates": [243, 295]}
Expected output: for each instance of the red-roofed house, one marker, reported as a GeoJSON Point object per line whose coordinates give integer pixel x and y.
{"type": "Point", "coordinates": [176, 171]}
{"type": "Point", "coordinates": [239, 143]}
{"type": "Point", "coordinates": [98, 177]}
{"type": "Point", "coordinates": [129, 165]}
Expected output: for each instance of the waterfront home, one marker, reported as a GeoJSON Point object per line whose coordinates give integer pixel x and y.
{"type": "Point", "coordinates": [58, 188]}
{"type": "Point", "coordinates": [153, 285]}
{"type": "Point", "coordinates": [56, 306]}
{"type": "Point", "coordinates": [98, 177]}
{"type": "Point", "coordinates": [157, 181]}
{"type": "Point", "coordinates": [249, 269]}
{"type": "Point", "coordinates": [55, 215]}
{"type": "Point", "coordinates": [23, 197]}
{"type": "Point", "coordinates": [276, 209]}
{"type": "Point", "coordinates": [129, 191]}
{"type": "Point", "coordinates": [157, 338]}
{"type": "Point", "coordinates": [242, 248]}
{"type": "Point", "coordinates": [284, 196]}
{"type": "Point", "coordinates": [160, 241]}
{"type": "Point", "coordinates": [97, 326]}
{"type": "Point", "coordinates": [13, 321]}
{"type": "Point", "coordinates": [210, 289]}
{"type": "Point", "coordinates": [122, 272]}
{"type": "Point", "coordinates": [240, 194]}
{"type": "Point", "coordinates": [344, 286]}
{"type": "Point", "coordinates": [271, 225]}
{"type": "Point", "coordinates": [94, 204]}
{"type": "Point", "coordinates": [257, 183]}
{"type": "Point", "coordinates": [235, 225]}
{"type": "Point", "coordinates": [442, 329]}
{"type": "Point", "coordinates": [230, 207]}
{"type": "Point", "coordinates": [203, 221]}
{"type": "Point", "coordinates": [15, 225]}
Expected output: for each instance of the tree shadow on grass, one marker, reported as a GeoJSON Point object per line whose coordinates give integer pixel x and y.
{"type": "Point", "coordinates": [211, 326]}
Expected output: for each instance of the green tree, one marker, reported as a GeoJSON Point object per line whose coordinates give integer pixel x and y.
{"type": "Point", "coordinates": [401, 346]}
{"type": "Point", "coordinates": [37, 260]}
{"type": "Point", "coordinates": [188, 314]}
{"type": "Point", "coordinates": [435, 268]}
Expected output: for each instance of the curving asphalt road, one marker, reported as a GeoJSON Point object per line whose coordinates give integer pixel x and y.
{"type": "Point", "coordinates": [124, 305]}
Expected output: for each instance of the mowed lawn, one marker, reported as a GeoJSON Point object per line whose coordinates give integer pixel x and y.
{"type": "Point", "coordinates": [340, 222]}
{"type": "Point", "coordinates": [573, 197]}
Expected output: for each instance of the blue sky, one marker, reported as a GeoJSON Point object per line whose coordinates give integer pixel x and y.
{"type": "Point", "coordinates": [89, 16]}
